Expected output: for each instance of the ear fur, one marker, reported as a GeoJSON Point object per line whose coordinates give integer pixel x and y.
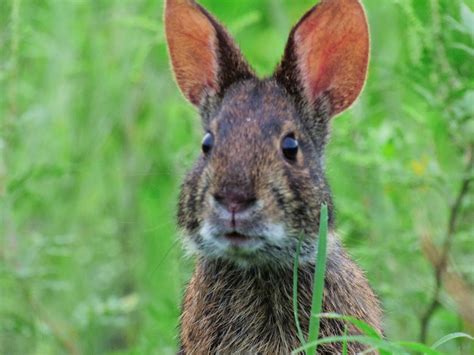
{"type": "Point", "coordinates": [327, 55]}
{"type": "Point", "coordinates": [204, 57]}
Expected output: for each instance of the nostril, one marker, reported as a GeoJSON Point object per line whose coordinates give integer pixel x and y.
{"type": "Point", "coordinates": [235, 201]}
{"type": "Point", "coordinates": [240, 205]}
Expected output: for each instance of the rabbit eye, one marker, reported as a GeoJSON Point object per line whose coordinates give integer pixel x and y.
{"type": "Point", "coordinates": [207, 142]}
{"type": "Point", "coordinates": [289, 147]}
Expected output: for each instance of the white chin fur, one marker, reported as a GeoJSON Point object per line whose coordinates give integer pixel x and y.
{"type": "Point", "coordinates": [212, 245]}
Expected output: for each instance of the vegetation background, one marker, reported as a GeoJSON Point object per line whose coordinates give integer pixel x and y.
{"type": "Point", "coordinates": [95, 138]}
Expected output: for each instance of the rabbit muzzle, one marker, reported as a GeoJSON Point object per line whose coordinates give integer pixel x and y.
{"type": "Point", "coordinates": [240, 234]}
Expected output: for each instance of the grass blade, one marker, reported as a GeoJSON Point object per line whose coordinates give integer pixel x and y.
{"type": "Point", "coordinates": [344, 342]}
{"type": "Point", "coordinates": [417, 348]}
{"type": "Point", "coordinates": [376, 343]}
{"type": "Point", "coordinates": [450, 337]}
{"type": "Point", "coordinates": [362, 339]}
{"type": "Point", "coordinates": [365, 328]}
{"type": "Point", "coordinates": [361, 325]}
{"type": "Point", "coordinates": [318, 284]}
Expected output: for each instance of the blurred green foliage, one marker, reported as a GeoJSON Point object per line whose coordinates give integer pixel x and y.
{"type": "Point", "coordinates": [95, 137]}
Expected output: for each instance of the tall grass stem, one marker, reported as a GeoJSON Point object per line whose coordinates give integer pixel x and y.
{"type": "Point", "coordinates": [318, 284]}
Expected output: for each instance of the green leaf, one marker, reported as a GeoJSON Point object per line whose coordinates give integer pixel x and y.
{"type": "Point", "coordinates": [418, 347]}
{"type": "Point", "coordinates": [362, 339]}
{"type": "Point", "coordinates": [450, 337]}
{"type": "Point", "coordinates": [361, 325]}
{"type": "Point", "coordinates": [467, 16]}
{"type": "Point", "coordinates": [344, 343]}
{"type": "Point", "coordinates": [245, 21]}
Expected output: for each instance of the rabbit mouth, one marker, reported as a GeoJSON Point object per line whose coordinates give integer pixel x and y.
{"type": "Point", "coordinates": [236, 239]}
{"type": "Point", "coordinates": [243, 244]}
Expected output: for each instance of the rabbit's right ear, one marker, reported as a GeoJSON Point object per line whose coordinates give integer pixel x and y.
{"type": "Point", "coordinates": [204, 57]}
{"type": "Point", "coordinates": [327, 54]}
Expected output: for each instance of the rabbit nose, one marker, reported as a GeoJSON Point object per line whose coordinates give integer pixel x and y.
{"type": "Point", "coordinates": [235, 201]}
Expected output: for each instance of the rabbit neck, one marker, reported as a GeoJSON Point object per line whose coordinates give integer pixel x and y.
{"type": "Point", "coordinates": [230, 309]}
{"type": "Point", "coordinates": [250, 310]}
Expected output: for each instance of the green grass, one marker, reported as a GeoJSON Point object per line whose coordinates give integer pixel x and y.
{"type": "Point", "coordinates": [318, 285]}
{"type": "Point", "coordinates": [95, 139]}
{"type": "Point", "coordinates": [371, 337]}
{"type": "Point", "coordinates": [319, 277]}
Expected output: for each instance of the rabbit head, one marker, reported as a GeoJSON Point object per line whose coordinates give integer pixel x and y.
{"type": "Point", "coordinates": [259, 182]}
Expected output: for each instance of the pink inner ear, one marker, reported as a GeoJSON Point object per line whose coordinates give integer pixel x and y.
{"type": "Point", "coordinates": [191, 41]}
{"type": "Point", "coordinates": [332, 47]}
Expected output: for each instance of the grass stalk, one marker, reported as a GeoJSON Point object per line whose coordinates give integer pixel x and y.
{"type": "Point", "coordinates": [318, 283]}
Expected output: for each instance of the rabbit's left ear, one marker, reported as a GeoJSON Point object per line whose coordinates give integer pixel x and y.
{"type": "Point", "coordinates": [327, 54]}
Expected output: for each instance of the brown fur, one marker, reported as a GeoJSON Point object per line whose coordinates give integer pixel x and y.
{"type": "Point", "coordinates": [239, 299]}
{"type": "Point", "coordinates": [250, 311]}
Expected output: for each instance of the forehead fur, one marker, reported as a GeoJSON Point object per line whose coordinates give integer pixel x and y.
{"type": "Point", "coordinates": [255, 105]}
{"type": "Point", "coordinates": [263, 108]}
{"type": "Point", "coordinates": [252, 118]}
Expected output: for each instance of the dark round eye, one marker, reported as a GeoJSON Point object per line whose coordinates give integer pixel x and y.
{"type": "Point", "coordinates": [207, 142]}
{"type": "Point", "coordinates": [289, 147]}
